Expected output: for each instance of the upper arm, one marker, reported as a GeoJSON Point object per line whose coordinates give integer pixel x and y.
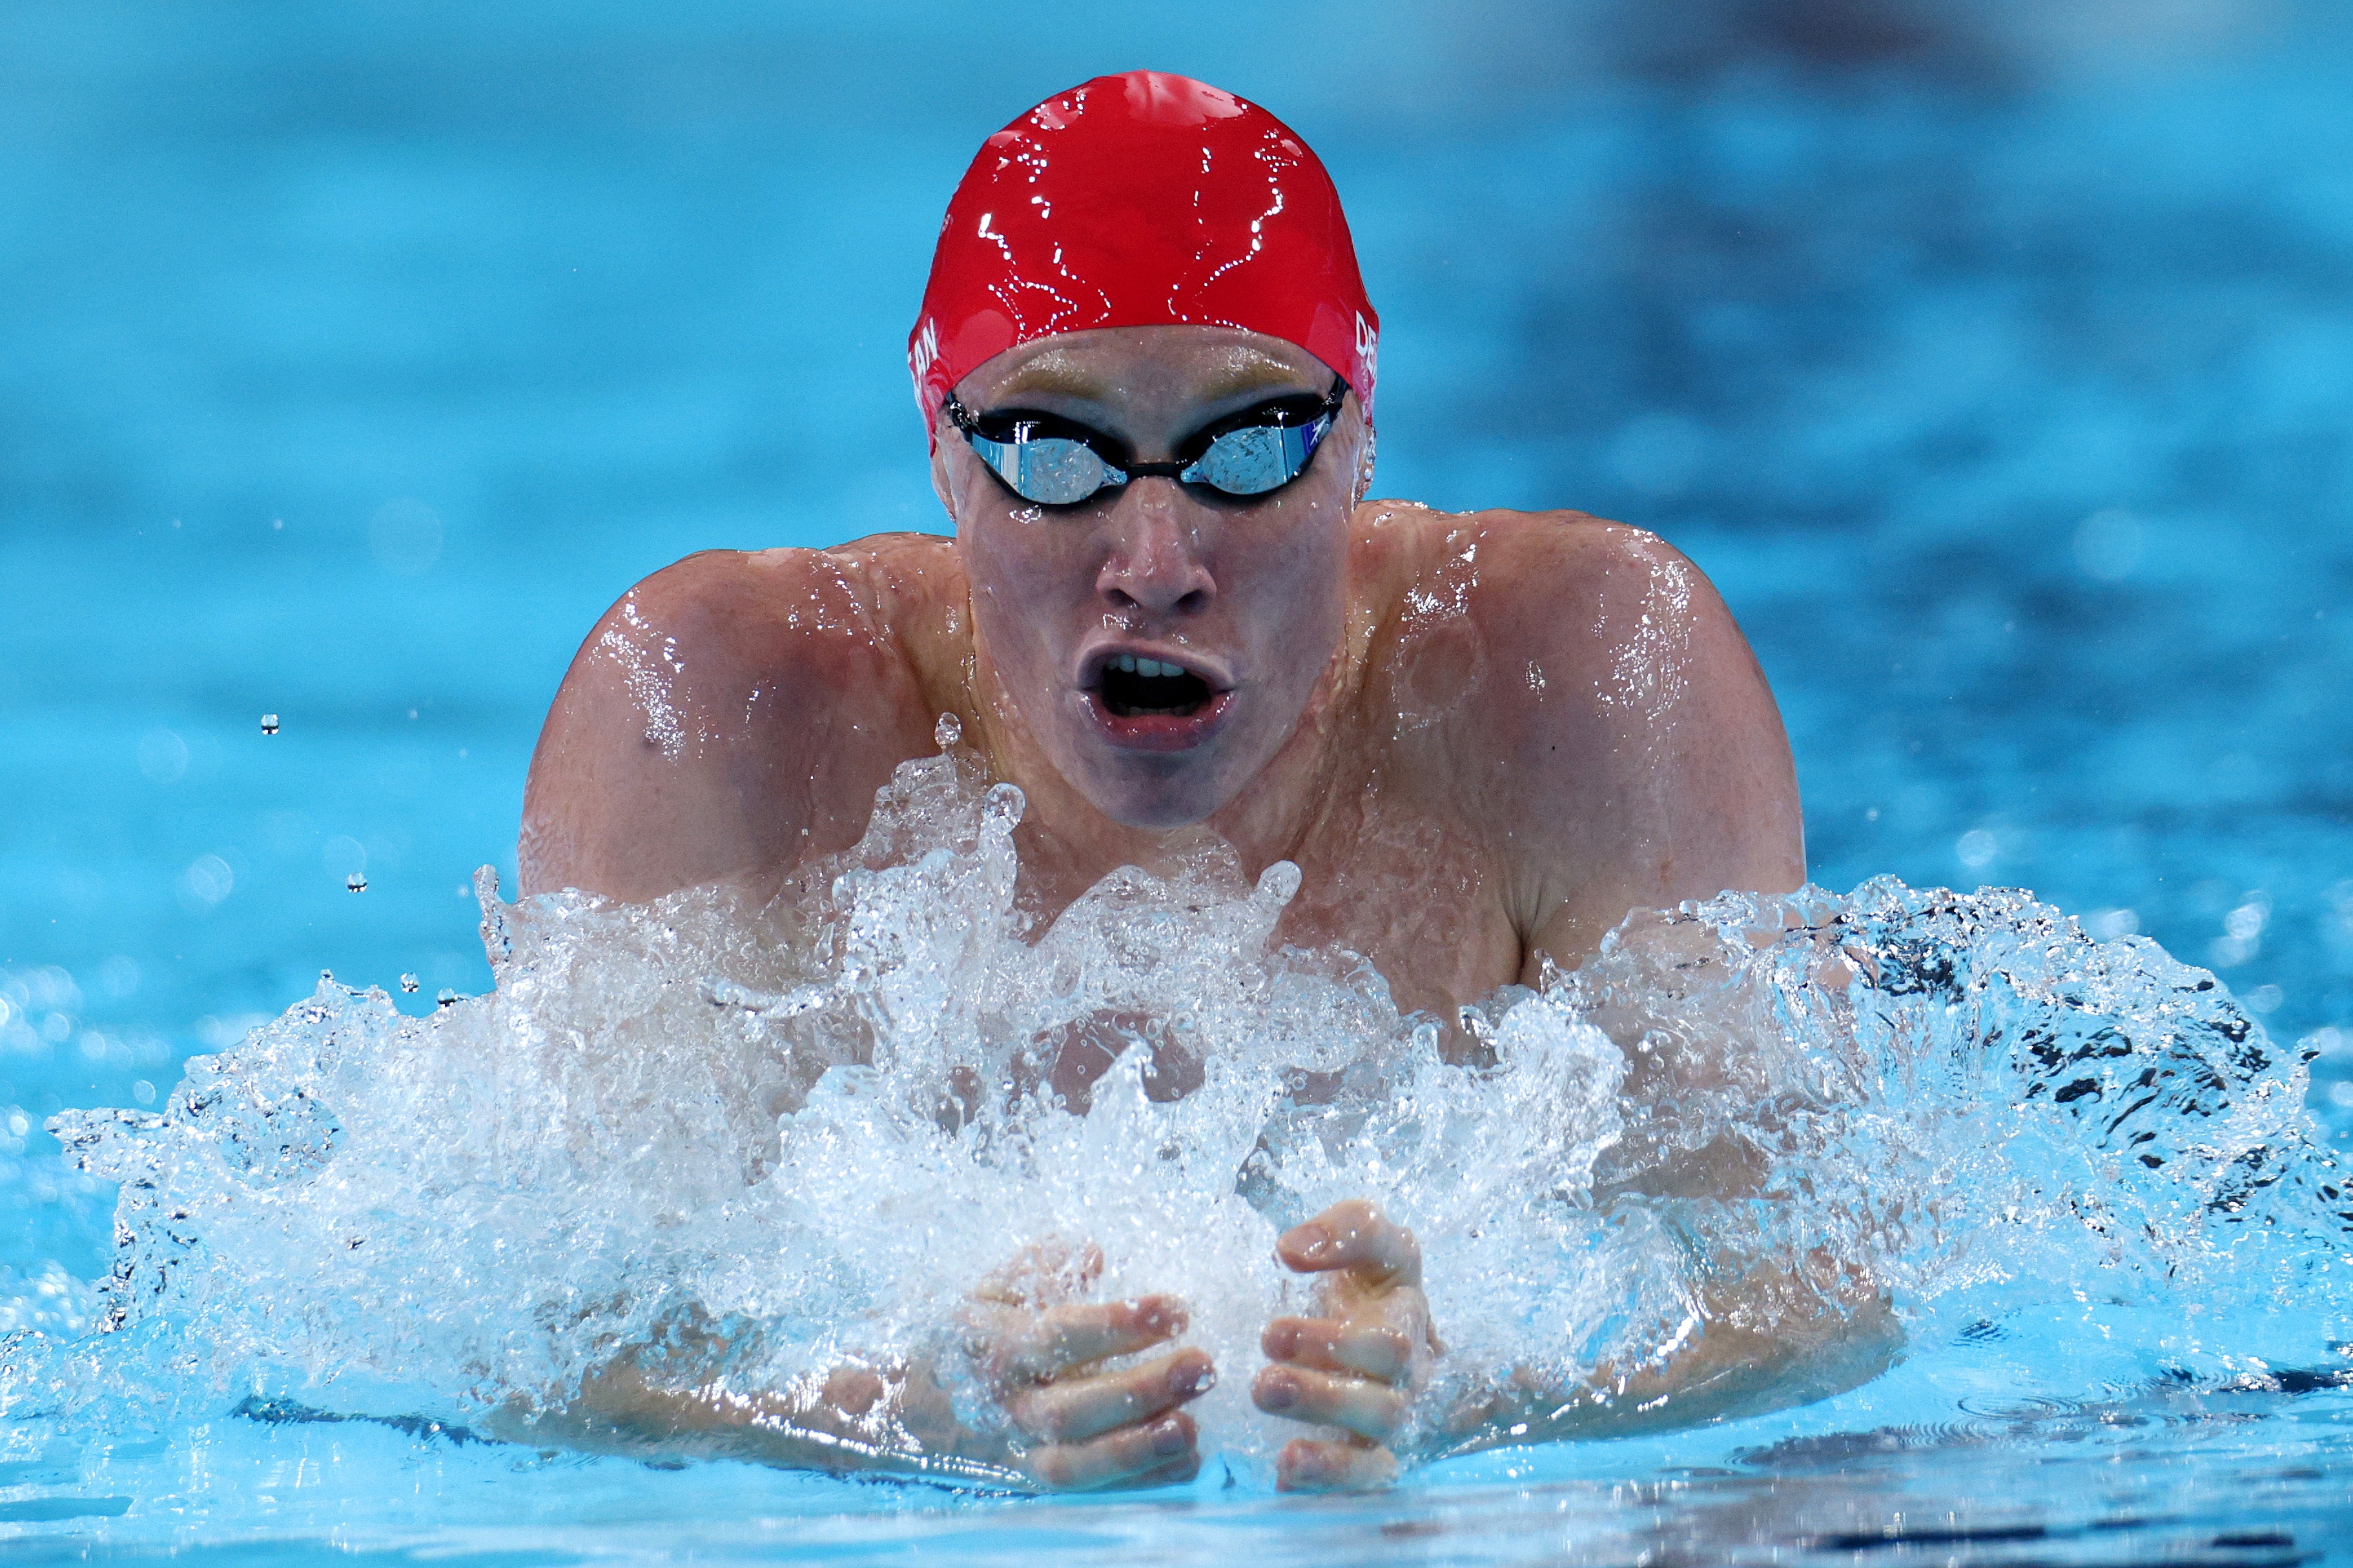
{"type": "Point", "coordinates": [730, 717]}
{"type": "Point", "coordinates": [1643, 756]}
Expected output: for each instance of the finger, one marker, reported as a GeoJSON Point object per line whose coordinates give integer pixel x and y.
{"type": "Point", "coordinates": [1313, 1465]}
{"type": "Point", "coordinates": [1331, 1344]}
{"type": "Point", "coordinates": [1043, 1271]}
{"type": "Point", "coordinates": [1120, 1458]}
{"type": "Point", "coordinates": [1357, 1405]}
{"type": "Point", "coordinates": [1176, 1473]}
{"type": "Point", "coordinates": [854, 1391]}
{"type": "Point", "coordinates": [1356, 1236]}
{"type": "Point", "coordinates": [1078, 1408]}
{"type": "Point", "coordinates": [1053, 1342]}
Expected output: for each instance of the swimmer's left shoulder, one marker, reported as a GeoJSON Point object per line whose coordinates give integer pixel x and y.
{"type": "Point", "coordinates": [1501, 565]}
{"type": "Point", "coordinates": [1578, 607]}
{"type": "Point", "coordinates": [1543, 553]}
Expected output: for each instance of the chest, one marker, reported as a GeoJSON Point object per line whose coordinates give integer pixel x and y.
{"type": "Point", "coordinates": [1413, 891]}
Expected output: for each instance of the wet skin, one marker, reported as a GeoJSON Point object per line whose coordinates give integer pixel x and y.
{"type": "Point", "coordinates": [1482, 737]}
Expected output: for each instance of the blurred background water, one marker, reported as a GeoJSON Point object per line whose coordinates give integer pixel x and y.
{"type": "Point", "coordinates": [1995, 360]}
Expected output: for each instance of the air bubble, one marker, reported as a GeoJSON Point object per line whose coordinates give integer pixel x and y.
{"type": "Point", "coordinates": [408, 984]}
{"type": "Point", "coordinates": [446, 997]}
{"type": "Point", "coordinates": [270, 724]}
{"type": "Point", "coordinates": [356, 881]}
{"type": "Point", "coordinates": [948, 733]}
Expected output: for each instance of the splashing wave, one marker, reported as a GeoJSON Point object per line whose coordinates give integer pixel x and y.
{"type": "Point", "coordinates": [807, 1127]}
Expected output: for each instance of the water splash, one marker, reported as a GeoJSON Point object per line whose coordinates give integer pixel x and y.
{"type": "Point", "coordinates": [806, 1129]}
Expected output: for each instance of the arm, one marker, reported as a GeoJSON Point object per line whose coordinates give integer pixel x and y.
{"type": "Point", "coordinates": [1776, 1335]}
{"type": "Point", "coordinates": [1068, 1424]}
{"type": "Point", "coordinates": [1623, 752]}
{"type": "Point", "coordinates": [1642, 757]}
{"type": "Point", "coordinates": [732, 717]}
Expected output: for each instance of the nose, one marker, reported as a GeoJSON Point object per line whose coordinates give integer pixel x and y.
{"type": "Point", "coordinates": [1156, 561]}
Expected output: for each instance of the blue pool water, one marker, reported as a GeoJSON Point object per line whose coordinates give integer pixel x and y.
{"type": "Point", "coordinates": [1993, 363]}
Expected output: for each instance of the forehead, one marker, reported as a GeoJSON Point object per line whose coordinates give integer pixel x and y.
{"type": "Point", "coordinates": [1184, 363]}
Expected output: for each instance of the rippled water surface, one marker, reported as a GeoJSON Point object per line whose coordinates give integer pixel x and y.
{"type": "Point", "coordinates": [1990, 361]}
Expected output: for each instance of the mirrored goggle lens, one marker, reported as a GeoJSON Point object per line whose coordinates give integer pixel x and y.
{"type": "Point", "coordinates": [1051, 470]}
{"type": "Point", "coordinates": [1256, 458]}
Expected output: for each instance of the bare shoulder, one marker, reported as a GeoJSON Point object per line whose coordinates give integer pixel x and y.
{"type": "Point", "coordinates": [1514, 569]}
{"type": "Point", "coordinates": [1593, 703]}
{"type": "Point", "coordinates": [1544, 604]}
{"type": "Point", "coordinates": [733, 713]}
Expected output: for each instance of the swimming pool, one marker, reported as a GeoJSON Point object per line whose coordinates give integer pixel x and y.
{"type": "Point", "coordinates": [1994, 369]}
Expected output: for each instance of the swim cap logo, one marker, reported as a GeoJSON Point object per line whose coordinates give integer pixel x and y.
{"type": "Point", "coordinates": [1368, 340]}
{"type": "Point", "coordinates": [925, 349]}
{"type": "Point", "coordinates": [922, 353]}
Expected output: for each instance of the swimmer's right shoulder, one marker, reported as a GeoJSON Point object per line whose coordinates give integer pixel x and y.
{"type": "Point", "coordinates": [733, 713]}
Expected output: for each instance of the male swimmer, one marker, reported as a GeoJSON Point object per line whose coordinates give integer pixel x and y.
{"type": "Point", "coordinates": [1145, 364]}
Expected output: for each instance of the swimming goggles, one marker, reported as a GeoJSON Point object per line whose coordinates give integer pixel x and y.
{"type": "Point", "coordinates": [1054, 461]}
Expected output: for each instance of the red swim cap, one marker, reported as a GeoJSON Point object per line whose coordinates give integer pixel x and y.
{"type": "Point", "coordinates": [1141, 200]}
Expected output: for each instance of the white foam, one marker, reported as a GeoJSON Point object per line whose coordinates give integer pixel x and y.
{"type": "Point", "coordinates": [814, 1125]}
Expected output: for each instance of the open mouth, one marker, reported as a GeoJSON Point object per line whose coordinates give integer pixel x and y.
{"type": "Point", "coordinates": [1133, 686]}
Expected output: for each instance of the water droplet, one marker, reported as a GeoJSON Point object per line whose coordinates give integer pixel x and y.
{"type": "Point", "coordinates": [270, 724]}
{"type": "Point", "coordinates": [947, 733]}
{"type": "Point", "coordinates": [2111, 925]}
{"type": "Point", "coordinates": [408, 982]}
{"type": "Point", "coordinates": [1279, 882]}
{"type": "Point", "coordinates": [446, 998]}
{"type": "Point", "coordinates": [207, 880]}
{"type": "Point", "coordinates": [1975, 848]}
{"type": "Point", "coordinates": [356, 882]}
{"type": "Point", "coordinates": [1002, 807]}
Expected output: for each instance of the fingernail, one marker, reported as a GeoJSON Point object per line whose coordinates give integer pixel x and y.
{"type": "Point", "coordinates": [1192, 1377]}
{"type": "Point", "coordinates": [1277, 1393]}
{"type": "Point", "coordinates": [1169, 1438]}
{"type": "Point", "coordinates": [1309, 1239]}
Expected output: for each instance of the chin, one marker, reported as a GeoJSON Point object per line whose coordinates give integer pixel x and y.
{"type": "Point", "coordinates": [1153, 809]}
{"type": "Point", "coordinates": [1156, 796]}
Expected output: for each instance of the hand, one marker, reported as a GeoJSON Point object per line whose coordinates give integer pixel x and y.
{"type": "Point", "coordinates": [1360, 1366]}
{"type": "Point", "coordinates": [1038, 1353]}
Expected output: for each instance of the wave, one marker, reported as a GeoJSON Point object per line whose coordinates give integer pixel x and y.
{"type": "Point", "coordinates": [793, 1134]}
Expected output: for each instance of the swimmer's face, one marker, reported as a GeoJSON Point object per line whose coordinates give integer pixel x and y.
{"type": "Point", "coordinates": [1158, 641]}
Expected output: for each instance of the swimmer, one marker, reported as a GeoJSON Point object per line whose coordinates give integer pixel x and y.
{"type": "Point", "coordinates": [1145, 363]}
